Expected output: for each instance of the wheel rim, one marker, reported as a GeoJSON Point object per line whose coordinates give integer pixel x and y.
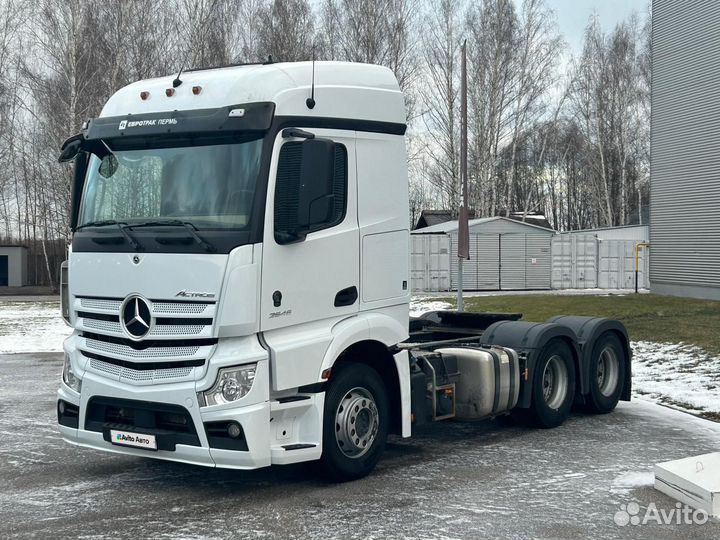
{"type": "Point", "coordinates": [608, 371]}
{"type": "Point", "coordinates": [555, 382]}
{"type": "Point", "coordinates": [356, 422]}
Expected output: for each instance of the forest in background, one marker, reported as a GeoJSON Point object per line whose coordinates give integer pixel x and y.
{"type": "Point", "coordinates": [549, 133]}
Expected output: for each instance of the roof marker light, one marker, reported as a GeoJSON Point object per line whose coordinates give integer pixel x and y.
{"type": "Point", "coordinates": [169, 92]}
{"type": "Point", "coordinates": [196, 90]}
{"type": "Point", "coordinates": [144, 95]}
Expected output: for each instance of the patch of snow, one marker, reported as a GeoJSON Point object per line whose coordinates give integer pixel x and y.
{"type": "Point", "coordinates": [31, 327]}
{"type": "Point", "coordinates": [679, 375]}
{"type": "Point", "coordinates": [418, 306]}
{"type": "Point", "coordinates": [632, 480]}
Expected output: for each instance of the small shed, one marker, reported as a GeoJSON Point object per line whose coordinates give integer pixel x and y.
{"type": "Point", "coordinates": [13, 266]}
{"type": "Point", "coordinates": [505, 254]}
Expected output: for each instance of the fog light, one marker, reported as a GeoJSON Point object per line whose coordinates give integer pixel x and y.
{"type": "Point", "coordinates": [68, 376]}
{"type": "Point", "coordinates": [61, 407]}
{"type": "Point", "coordinates": [231, 384]}
{"type": "Point", "coordinates": [234, 430]}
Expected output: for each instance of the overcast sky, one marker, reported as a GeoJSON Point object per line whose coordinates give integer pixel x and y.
{"type": "Point", "coordinates": [573, 15]}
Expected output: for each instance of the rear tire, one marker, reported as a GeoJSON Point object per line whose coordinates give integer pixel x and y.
{"type": "Point", "coordinates": [553, 385]}
{"type": "Point", "coordinates": [607, 374]}
{"type": "Point", "coordinates": [355, 422]}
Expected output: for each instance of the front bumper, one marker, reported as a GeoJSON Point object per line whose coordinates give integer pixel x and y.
{"type": "Point", "coordinates": [252, 411]}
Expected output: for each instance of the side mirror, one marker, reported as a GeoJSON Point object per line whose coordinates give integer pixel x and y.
{"type": "Point", "coordinates": [108, 166]}
{"type": "Point", "coordinates": [304, 194]}
{"type": "Point", "coordinates": [70, 149]}
{"type": "Point", "coordinates": [317, 169]}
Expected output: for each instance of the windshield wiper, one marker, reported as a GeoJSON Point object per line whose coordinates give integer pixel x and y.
{"type": "Point", "coordinates": [100, 223]}
{"type": "Point", "coordinates": [121, 225]}
{"type": "Point", "coordinates": [192, 229]}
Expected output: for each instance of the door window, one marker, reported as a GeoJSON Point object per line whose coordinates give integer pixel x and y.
{"type": "Point", "coordinates": [287, 182]}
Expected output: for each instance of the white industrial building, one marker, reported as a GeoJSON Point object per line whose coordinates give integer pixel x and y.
{"type": "Point", "coordinates": [509, 255]}
{"type": "Point", "coordinates": [504, 255]}
{"type": "Point", "coordinates": [13, 266]}
{"type": "Point", "coordinates": [685, 149]}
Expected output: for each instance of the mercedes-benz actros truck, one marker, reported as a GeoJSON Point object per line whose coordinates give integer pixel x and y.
{"type": "Point", "coordinates": [238, 283]}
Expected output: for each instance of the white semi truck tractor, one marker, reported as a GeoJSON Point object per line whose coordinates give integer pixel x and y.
{"type": "Point", "coordinates": [238, 283]}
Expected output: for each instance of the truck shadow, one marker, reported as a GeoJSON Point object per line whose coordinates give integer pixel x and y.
{"type": "Point", "coordinates": [431, 443]}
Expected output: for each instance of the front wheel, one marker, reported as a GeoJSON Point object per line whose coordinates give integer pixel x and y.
{"type": "Point", "coordinates": [355, 422]}
{"type": "Point", "coordinates": [553, 385]}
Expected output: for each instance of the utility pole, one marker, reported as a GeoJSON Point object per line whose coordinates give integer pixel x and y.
{"type": "Point", "coordinates": [463, 229]}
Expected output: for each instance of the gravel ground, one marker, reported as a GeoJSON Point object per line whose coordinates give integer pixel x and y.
{"type": "Point", "coordinates": [452, 480]}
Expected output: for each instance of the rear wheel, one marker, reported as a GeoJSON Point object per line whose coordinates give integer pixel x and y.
{"type": "Point", "coordinates": [553, 385]}
{"type": "Point", "coordinates": [355, 422]}
{"type": "Point", "coordinates": [607, 374]}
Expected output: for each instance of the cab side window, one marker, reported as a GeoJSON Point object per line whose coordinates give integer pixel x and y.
{"type": "Point", "coordinates": [288, 179]}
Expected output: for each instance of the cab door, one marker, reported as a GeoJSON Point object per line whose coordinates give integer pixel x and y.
{"type": "Point", "coordinates": [316, 278]}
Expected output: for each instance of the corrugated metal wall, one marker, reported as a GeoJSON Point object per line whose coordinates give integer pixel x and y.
{"type": "Point", "coordinates": [574, 261]}
{"type": "Point", "coordinates": [582, 261]}
{"type": "Point", "coordinates": [685, 138]}
{"type": "Point", "coordinates": [538, 268]}
{"type": "Point", "coordinates": [488, 269]}
{"type": "Point", "coordinates": [565, 261]}
{"type": "Point", "coordinates": [504, 262]}
{"type": "Point", "coordinates": [617, 265]}
{"type": "Point", "coordinates": [430, 262]}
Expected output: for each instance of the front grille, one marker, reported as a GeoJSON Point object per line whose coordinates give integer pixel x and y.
{"type": "Point", "coordinates": [147, 374]}
{"type": "Point", "coordinates": [181, 308]}
{"type": "Point", "coordinates": [126, 351]}
{"type": "Point", "coordinates": [171, 424]}
{"type": "Point", "coordinates": [182, 332]}
{"type": "Point", "coordinates": [102, 304]}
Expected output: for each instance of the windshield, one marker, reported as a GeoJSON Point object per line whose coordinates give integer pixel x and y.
{"type": "Point", "coordinates": [209, 183]}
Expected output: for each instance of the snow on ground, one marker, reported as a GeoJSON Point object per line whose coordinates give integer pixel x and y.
{"type": "Point", "coordinates": [628, 481]}
{"type": "Point", "coordinates": [420, 305]}
{"type": "Point", "coordinates": [679, 375]}
{"type": "Point", "coordinates": [31, 327]}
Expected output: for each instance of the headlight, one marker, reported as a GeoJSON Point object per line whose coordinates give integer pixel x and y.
{"type": "Point", "coordinates": [232, 383]}
{"type": "Point", "coordinates": [68, 377]}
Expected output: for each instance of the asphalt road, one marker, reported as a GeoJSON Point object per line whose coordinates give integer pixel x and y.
{"type": "Point", "coordinates": [453, 480]}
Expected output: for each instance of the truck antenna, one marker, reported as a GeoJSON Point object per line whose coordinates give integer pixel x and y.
{"type": "Point", "coordinates": [310, 102]}
{"type": "Point", "coordinates": [176, 81]}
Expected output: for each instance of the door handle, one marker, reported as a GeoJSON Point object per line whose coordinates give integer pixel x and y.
{"type": "Point", "coordinates": [346, 297]}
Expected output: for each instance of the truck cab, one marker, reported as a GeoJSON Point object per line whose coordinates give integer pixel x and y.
{"type": "Point", "coordinates": [238, 282]}
{"type": "Point", "coordinates": [232, 239]}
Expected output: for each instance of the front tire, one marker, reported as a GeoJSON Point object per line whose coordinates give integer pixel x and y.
{"type": "Point", "coordinates": [553, 385]}
{"type": "Point", "coordinates": [607, 374]}
{"type": "Point", "coordinates": [355, 423]}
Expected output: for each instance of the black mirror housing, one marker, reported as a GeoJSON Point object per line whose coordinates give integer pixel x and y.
{"type": "Point", "coordinates": [70, 148]}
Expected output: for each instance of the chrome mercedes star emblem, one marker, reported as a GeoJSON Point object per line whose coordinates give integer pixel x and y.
{"type": "Point", "coordinates": [136, 317]}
